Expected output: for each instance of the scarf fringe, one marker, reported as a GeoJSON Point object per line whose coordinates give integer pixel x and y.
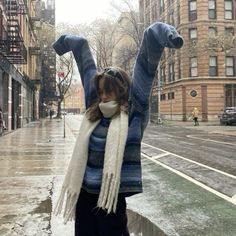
{"type": "Point", "coordinates": [109, 193]}
{"type": "Point", "coordinates": [70, 204]}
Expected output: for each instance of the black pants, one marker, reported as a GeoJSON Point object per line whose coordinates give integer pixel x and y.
{"type": "Point", "coordinates": [195, 119]}
{"type": "Point", "coordinates": [91, 221]}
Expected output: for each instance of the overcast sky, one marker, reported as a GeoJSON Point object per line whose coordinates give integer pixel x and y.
{"type": "Point", "coordinates": [84, 11]}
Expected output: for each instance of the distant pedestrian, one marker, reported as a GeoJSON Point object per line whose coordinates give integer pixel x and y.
{"type": "Point", "coordinates": [195, 114]}
{"type": "Point", "coordinates": [51, 112]}
{"type": "Point", "coordinates": [105, 167]}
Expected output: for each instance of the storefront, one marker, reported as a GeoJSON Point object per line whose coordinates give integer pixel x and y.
{"type": "Point", "coordinates": [16, 97]}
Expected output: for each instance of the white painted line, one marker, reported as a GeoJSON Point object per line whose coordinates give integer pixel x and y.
{"type": "Point", "coordinates": [210, 140]}
{"type": "Point", "coordinates": [234, 199]}
{"type": "Point", "coordinates": [160, 155]}
{"type": "Point", "coordinates": [223, 196]}
{"type": "Point", "coordinates": [197, 163]}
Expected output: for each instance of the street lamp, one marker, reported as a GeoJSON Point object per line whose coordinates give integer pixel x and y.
{"type": "Point", "coordinates": [64, 125]}
{"type": "Point", "coordinates": [159, 120]}
{"type": "Point", "coordinates": [61, 74]}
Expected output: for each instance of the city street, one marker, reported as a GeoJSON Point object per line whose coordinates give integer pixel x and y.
{"type": "Point", "coordinates": [206, 156]}
{"type": "Point", "coordinates": [189, 178]}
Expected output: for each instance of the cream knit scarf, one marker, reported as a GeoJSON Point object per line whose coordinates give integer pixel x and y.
{"type": "Point", "coordinates": [114, 151]}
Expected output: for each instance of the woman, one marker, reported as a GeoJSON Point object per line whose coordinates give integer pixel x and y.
{"type": "Point", "coordinates": [106, 163]}
{"type": "Point", "coordinates": [195, 114]}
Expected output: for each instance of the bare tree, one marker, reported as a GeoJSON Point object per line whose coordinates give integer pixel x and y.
{"type": "Point", "coordinates": [130, 30]}
{"type": "Point", "coordinates": [64, 78]}
{"type": "Point", "coordinates": [103, 41]}
{"type": "Point", "coordinates": [134, 29]}
{"type": "Point", "coordinates": [222, 43]}
{"type": "Point", "coordinates": [216, 43]}
{"type": "Point", "coordinates": [104, 37]}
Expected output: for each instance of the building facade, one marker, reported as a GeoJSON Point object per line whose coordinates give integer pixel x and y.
{"type": "Point", "coordinates": [74, 99]}
{"type": "Point", "coordinates": [19, 77]}
{"type": "Point", "coordinates": [203, 73]}
{"type": "Point", "coordinates": [46, 35]}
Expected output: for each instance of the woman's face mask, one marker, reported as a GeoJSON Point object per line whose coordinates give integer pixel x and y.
{"type": "Point", "coordinates": [108, 109]}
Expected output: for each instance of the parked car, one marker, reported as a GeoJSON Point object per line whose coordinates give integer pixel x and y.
{"type": "Point", "coordinates": [63, 113]}
{"type": "Point", "coordinates": [229, 116]}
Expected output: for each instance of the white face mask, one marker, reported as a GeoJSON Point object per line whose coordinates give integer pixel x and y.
{"type": "Point", "coordinates": [108, 109]}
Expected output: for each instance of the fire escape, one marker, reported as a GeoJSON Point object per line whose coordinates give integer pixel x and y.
{"type": "Point", "coordinates": [12, 44]}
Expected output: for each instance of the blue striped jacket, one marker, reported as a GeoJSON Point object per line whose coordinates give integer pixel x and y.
{"type": "Point", "coordinates": [156, 37]}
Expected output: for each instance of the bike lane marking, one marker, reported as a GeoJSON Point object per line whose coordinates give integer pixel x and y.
{"type": "Point", "coordinates": [186, 159]}
{"type": "Point", "coordinates": [234, 199]}
{"type": "Point", "coordinates": [209, 189]}
{"type": "Point", "coordinates": [160, 155]}
{"type": "Point", "coordinates": [210, 140]}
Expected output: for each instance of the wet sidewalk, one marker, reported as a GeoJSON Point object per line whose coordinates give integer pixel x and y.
{"type": "Point", "coordinates": [32, 164]}
{"type": "Point", "coordinates": [33, 161]}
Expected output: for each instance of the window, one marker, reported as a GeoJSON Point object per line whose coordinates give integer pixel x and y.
{"type": "Point", "coordinates": [193, 93]}
{"type": "Point", "coordinates": [162, 75]}
{"type": "Point", "coordinates": [228, 10]}
{"type": "Point", "coordinates": [212, 37]}
{"type": "Point", "coordinates": [171, 18]}
{"type": "Point", "coordinates": [192, 10]}
{"type": "Point", "coordinates": [230, 95]}
{"type": "Point", "coordinates": [154, 11]}
{"type": "Point", "coordinates": [212, 9]}
{"type": "Point", "coordinates": [193, 66]}
{"type": "Point", "coordinates": [163, 97]}
{"type": "Point", "coordinates": [161, 6]}
{"type": "Point", "coordinates": [179, 67]}
{"type": "Point", "coordinates": [229, 31]}
{"type": "Point", "coordinates": [171, 52]}
{"type": "Point", "coordinates": [212, 32]}
{"type": "Point", "coordinates": [178, 14]}
{"type": "Point", "coordinates": [193, 33]}
{"type": "Point", "coordinates": [171, 73]}
{"type": "Point", "coordinates": [213, 66]}
{"type": "Point", "coordinates": [229, 66]}
{"type": "Point", "coordinates": [171, 95]}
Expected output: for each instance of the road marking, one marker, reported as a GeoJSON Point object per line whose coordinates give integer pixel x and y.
{"type": "Point", "coordinates": [223, 196]}
{"type": "Point", "coordinates": [234, 199]}
{"type": "Point", "coordinates": [210, 140]}
{"type": "Point", "coordinates": [186, 159]}
{"type": "Point", "coordinates": [160, 155]}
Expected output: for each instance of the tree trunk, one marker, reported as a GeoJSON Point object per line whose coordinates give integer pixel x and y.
{"type": "Point", "coordinates": [59, 109]}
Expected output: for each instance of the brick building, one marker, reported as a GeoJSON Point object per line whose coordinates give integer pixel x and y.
{"type": "Point", "coordinates": [27, 65]}
{"type": "Point", "coordinates": [46, 35]}
{"type": "Point", "coordinates": [203, 73]}
{"type": "Point", "coordinates": [19, 75]}
{"type": "Point", "coordinates": [74, 99]}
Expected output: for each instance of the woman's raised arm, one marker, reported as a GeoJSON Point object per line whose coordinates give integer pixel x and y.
{"type": "Point", "coordinates": [84, 59]}
{"type": "Point", "coordinates": [156, 37]}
